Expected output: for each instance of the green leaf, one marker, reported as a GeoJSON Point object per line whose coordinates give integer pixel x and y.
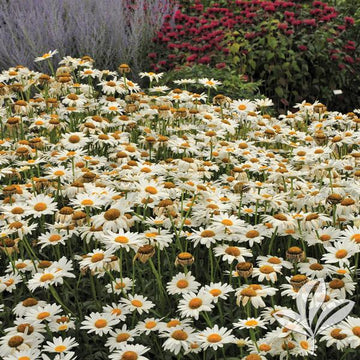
{"type": "Point", "coordinates": [252, 63]}
{"type": "Point", "coordinates": [234, 48]}
{"type": "Point", "coordinates": [272, 42]}
{"type": "Point", "coordinates": [279, 91]}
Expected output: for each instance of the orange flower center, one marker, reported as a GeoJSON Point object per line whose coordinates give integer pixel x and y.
{"type": "Point", "coordinates": [274, 260]}
{"type": "Point", "coordinates": [136, 303]}
{"type": "Point", "coordinates": [179, 335]}
{"type": "Point", "coordinates": [40, 206]}
{"type": "Point", "coordinates": [60, 348]}
{"type": "Point", "coordinates": [87, 202]}
{"type": "Point", "coordinates": [54, 238]}
{"type": "Point", "coordinates": [122, 337]}
{"type": "Point", "coordinates": [122, 239]}
{"type": "Point", "coordinates": [182, 284]}
{"type": "Point", "coordinates": [340, 254]}
{"type": "Point", "coordinates": [232, 250]}
{"type": "Point", "coordinates": [252, 234]}
{"type": "Point", "coordinates": [74, 139]}
{"type": "Point", "coordinates": [97, 257]}
{"type": "Point", "coordinates": [356, 238]}
{"type": "Point", "coordinates": [215, 292]}
{"type": "Point", "coordinates": [151, 190]}
{"type": "Point", "coordinates": [150, 324]}
{"type": "Point", "coordinates": [112, 214]}
{"type": "Point", "coordinates": [227, 222]}
{"type": "Point", "coordinates": [251, 322]}
{"type": "Point", "coordinates": [356, 331]}
{"type": "Point", "coordinates": [46, 277]}
{"type": "Point", "coordinates": [214, 338]}
{"type": "Point", "coordinates": [195, 303]}
{"type": "Point", "coordinates": [101, 323]}
{"type": "Point", "coordinates": [129, 355]}
{"type": "Point", "coordinates": [43, 315]}
{"type": "Point", "coordinates": [207, 234]}
{"type": "Point", "coordinates": [266, 269]}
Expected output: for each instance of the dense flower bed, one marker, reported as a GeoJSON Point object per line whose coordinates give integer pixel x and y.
{"type": "Point", "coordinates": [299, 49]}
{"type": "Point", "coordinates": [160, 223]}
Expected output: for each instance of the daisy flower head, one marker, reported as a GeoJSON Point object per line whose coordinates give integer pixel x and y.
{"type": "Point", "coordinates": [60, 345]}
{"type": "Point", "coordinates": [138, 303]}
{"type": "Point", "coordinates": [178, 338]}
{"type": "Point", "coordinates": [335, 335]}
{"type": "Point", "coordinates": [267, 272]}
{"type": "Point", "coordinates": [96, 260]}
{"type": "Point", "coordinates": [130, 352]}
{"type": "Point", "coordinates": [151, 75]}
{"type": "Point", "coordinates": [122, 240]}
{"type": "Point", "coordinates": [209, 83]}
{"type": "Point", "coordinates": [215, 337]}
{"type": "Point", "coordinates": [218, 291]}
{"type": "Point", "coordinates": [351, 328]}
{"type": "Point", "coordinates": [46, 56]}
{"type": "Point", "coordinates": [243, 106]}
{"type": "Point", "coordinates": [253, 293]}
{"type": "Point", "coordinates": [149, 325]}
{"type": "Point", "coordinates": [119, 337]}
{"type": "Point", "coordinates": [250, 323]}
{"type": "Point", "coordinates": [118, 311]}
{"type": "Point", "coordinates": [99, 323]}
{"type": "Point", "coordinates": [182, 283]}
{"type": "Point", "coordinates": [230, 253]}
{"type": "Point", "coordinates": [192, 304]}
{"type": "Point", "coordinates": [41, 205]}
{"type": "Point", "coordinates": [119, 285]}
{"type": "Point", "coordinates": [340, 253]}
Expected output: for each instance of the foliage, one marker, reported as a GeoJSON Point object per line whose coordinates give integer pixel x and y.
{"type": "Point", "coordinates": [234, 84]}
{"type": "Point", "coordinates": [110, 31]}
{"type": "Point", "coordinates": [299, 49]}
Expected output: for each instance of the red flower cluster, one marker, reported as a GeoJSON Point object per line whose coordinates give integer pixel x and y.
{"type": "Point", "coordinates": [198, 35]}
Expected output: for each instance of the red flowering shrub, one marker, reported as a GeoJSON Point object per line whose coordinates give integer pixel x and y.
{"type": "Point", "coordinates": [299, 49]}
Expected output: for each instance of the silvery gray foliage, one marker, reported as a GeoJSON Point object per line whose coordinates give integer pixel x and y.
{"type": "Point", "coordinates": [310, 302]}
{"type": "Point", "coordinates": [111, 31]}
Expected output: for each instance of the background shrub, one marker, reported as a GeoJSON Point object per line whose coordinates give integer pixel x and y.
{"type": "Point", "coordinates": [299, 49]}
{"type": "Point", "coordinates": [110, 31]}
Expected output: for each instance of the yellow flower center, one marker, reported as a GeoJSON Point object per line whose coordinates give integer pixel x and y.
{"type": "Point", "coordinates": [251, 322]}
{"type": "Point", "coordinates": [129, 355]}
